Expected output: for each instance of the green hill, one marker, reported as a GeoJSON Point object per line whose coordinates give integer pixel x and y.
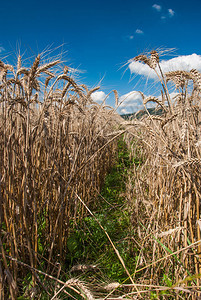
{"type": "Point", "coordinates": [141, 113]}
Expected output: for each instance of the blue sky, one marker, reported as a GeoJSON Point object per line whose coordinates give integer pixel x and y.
{"type": "Point", "coordinates": [100, 36]}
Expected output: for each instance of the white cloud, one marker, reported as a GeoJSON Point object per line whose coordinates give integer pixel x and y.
{"type": "Point", "coordinates": [98, 96]}
{"type": "Point", "coordinates": [157, 7]}
{"type": "Point", "coordinates": [124, 111]}
{"type": "Point", "coordinates": [139, 68]}
{"type": "Point", "coordinates": [130, 98]}
{"type": "Point", "coordinates": [172, 97]}
{"type": "Point", "coordinates": [131, 37]}
{"type": "Point", "coordinates": [139, 31]}
{"type": "Point", "coordinates": [184, 62]}
{"type": "Point", "coordinates": [171, 12]}
{"type": "Point", "coordinates": [131, 102]}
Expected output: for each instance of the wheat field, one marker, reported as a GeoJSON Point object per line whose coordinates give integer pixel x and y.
{"type": "Point", "coordinates": [56, 147]}
{"type": "Point", "coordinates": [166, 186]}
{"type": "Point", "coordinates": [55, 144]}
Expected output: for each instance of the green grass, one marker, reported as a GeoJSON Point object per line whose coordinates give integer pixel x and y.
{"type": "Point", "coordinates": [88, 243]}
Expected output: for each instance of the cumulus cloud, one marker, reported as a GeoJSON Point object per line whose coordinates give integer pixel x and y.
{"type": "Point", "coordinates": [157, 7]}
{"type": "Point", "coordinates": [139, 68]}
{"type": "Point", "coordinates": [184, 62]}
{"type": "Point", "coordinates": [130, 102]}
{"type": "Point", "coordinates": [171, 12]}
{"type": "Point", "coordinates": [172, 97]}
{"type": "Point", "coordinates": [131, 37]}
{"type": "Point", "coordinates": [139, 31]}
{"type": "Point", "coordinates": [98, 96]}
{"type": "Point", "coordinates": [124, 111]}
{"type": "Point", "coordinates": [130, 98]}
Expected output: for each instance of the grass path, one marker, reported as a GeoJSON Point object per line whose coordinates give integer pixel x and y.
{"type": "Point", "coordinates": [89, 245]}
